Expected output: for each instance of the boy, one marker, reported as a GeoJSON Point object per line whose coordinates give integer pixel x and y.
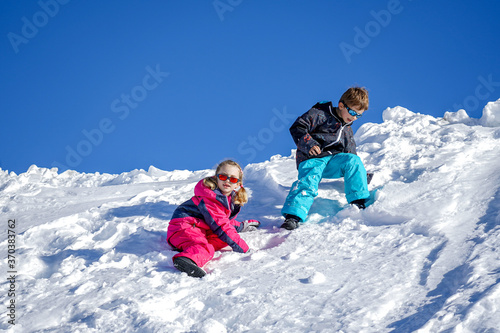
{"type": "Point", "coordinates": [326, 149]}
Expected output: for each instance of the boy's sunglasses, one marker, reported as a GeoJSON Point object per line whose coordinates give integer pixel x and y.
{"type": "Point", "coordinates": [224, 178]}
{"type": "Point", "coordinates": [351, 111]}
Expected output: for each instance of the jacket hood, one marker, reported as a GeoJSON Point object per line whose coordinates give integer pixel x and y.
{"type": "Point", "coordinates": [334, 112]}
{"type": "Point", "coordinates": [201, 190]}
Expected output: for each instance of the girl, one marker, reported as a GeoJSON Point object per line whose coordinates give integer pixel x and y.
{"type": "Point", "coordinates": [206, 223]}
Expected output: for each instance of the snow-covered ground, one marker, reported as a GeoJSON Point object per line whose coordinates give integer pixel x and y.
{"type": "Point", "coordinates": [91, 253]}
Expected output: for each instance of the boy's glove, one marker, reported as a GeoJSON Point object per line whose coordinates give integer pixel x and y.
{"type": "Point", "coordinates": [250, 225]}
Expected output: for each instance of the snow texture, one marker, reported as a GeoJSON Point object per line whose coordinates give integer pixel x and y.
{"type": "Point", "coordinates": [91, 254]}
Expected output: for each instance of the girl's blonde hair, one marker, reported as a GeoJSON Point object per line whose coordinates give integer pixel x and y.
{"type": "Point", "coordinates": [241, 197]}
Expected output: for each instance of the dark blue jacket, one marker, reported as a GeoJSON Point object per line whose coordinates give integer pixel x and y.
{"type": "Point", "coordinates": [322, 126]}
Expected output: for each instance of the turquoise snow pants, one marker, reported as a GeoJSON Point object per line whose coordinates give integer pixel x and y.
{"type": "Point", "coordinates": [305, 189]}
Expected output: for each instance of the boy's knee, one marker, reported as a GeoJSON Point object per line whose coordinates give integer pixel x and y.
{"type": "Point", "coordinates": [352, 158]}
{"type": "Point", "coordinates": [350, 164]}
{"type": "Point", "coordinates": [354, 161]}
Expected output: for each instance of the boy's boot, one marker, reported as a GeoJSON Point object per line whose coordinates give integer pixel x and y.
{"type": "Point", "coordinates": [188, 266]}
{"type": "Point", "coordinates": [360, 203]}
{"type": "Point", "coordinates": [291, 222]}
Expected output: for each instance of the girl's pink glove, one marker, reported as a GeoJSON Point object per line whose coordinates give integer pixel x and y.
{"type": "Point", "coordinates": [250, 225]}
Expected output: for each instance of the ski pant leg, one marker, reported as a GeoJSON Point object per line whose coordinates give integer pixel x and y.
{"type": "Point", "coordinates": [352, 169]}
{"type": "Point", "coordinates": [305, 189]}
{"type": "Point", "coordinates": [216, 242]}
{"type": "Point", "coordinates": [193, 244]}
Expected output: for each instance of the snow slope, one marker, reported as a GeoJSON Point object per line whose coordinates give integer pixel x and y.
{"type": "Point", "coordinates": [91, 257]}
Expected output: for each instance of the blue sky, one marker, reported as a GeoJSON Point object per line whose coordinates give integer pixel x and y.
{"type": "Point", "coordinates": [112, 86]}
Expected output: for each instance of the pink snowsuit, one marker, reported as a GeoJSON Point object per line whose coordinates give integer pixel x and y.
{"type": "Point", "coordinates": [205, 224]}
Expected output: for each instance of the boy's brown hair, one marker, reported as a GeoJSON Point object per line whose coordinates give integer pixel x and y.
{"type": "Point", "coordinates": [356, 97]}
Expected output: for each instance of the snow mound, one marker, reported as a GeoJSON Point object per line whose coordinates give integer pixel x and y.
{"type": "Point", "coordinates": [396, 114]}
{"type": "Point", "coordinates": [91, 254]}
{"type": "Point", "coordinates": [490, 117]}
{"type": "Point", "coordinates": [491, 114]}
{"type": "Point", "coordinates": [460, 116]}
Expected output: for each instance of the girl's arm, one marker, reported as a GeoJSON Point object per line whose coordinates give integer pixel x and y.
{"type": "Point", "coordinates": [237, 225]}
{"type": "Point", "coordinates": [220, 224]}
{"type": "Point", "coordinates": [248, 225]}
